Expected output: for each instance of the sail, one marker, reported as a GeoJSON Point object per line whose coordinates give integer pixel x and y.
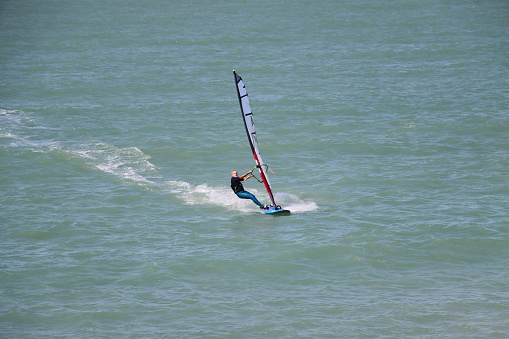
{"type": "Point", "coordinates": [247, 115]}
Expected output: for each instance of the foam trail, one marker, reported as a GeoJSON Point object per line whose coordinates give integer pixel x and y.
{"type": "Point", "coordinates": [294, 203]}
{"type": "Point", "coordinates": [11, 127]}
{"type": "Point", "coordinates": [224, 197]}
{"type": "Point", "coordinates": [206, 195]}
{"type": "Point", "coordinates": [132, 165]}
{"type": "Point", "coordinates": [126, 163]}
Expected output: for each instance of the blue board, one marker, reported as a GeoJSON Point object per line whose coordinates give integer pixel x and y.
{"type": "Point", "coordinates": [278, 211]}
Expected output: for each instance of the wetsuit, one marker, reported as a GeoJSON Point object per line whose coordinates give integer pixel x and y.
{"type": "Point", "coordinates": [238, 189]}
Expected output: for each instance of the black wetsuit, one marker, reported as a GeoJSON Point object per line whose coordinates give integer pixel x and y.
{"type": "Point", "coordinates": [237, 185]}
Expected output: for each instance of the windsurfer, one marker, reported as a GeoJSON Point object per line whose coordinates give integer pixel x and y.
{"type": "Point", "coordinates": [238, 188]}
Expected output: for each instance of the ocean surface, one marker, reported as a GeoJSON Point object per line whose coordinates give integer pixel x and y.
{"type": "Point", "coordinates": [386, 123]}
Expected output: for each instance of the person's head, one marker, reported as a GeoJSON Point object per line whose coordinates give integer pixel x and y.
{"type": "Point", "coordinates": [235, 173]}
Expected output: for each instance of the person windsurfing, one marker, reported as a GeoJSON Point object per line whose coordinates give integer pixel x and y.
{"type": "Point", "coordinates": [238, 188]}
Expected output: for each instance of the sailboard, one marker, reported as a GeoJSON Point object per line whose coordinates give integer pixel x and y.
{"type": "Point", "coordinates": [247, 116]}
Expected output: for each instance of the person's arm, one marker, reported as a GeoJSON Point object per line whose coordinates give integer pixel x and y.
{"type": "Point", "coordinates": [245, 176]}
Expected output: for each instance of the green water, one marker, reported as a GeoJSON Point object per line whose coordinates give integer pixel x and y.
{"type": "Point", "coordinates": [386, 122]}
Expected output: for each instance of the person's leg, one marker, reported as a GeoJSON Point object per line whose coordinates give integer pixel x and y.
{"type": "Point", "coordinates": [247, 195]}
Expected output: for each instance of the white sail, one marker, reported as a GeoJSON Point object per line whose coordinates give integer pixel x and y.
{"type": "Point", "coordinates": [247, 116]}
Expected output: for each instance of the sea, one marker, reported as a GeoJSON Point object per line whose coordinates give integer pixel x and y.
{"type": "Point", "coordinates": [386, 124]}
